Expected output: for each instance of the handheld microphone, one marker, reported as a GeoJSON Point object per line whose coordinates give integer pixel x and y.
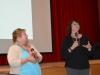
{"type": "Point", "coordinates": [34, 54]}
{"type": "Point", "coordinates": [32, 50]}
{"type": "Point", "coordinates": [76, 35]}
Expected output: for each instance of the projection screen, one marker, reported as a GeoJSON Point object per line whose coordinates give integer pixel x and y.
{"type": "Point", "coordinates": [32, 15]}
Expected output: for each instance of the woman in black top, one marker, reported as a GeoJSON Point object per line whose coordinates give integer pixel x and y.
{"type": "Point", "coordinates": [75, 50]}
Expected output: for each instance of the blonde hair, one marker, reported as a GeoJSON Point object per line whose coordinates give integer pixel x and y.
{"type": "Point", "coordinates": [16, 33]}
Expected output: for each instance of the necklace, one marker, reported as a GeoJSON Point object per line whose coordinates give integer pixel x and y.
{"type": "Point", "coordinates": [26, 48]}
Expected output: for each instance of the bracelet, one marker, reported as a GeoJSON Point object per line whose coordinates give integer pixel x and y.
{"type": "Point", "coordinates": [70, 49]}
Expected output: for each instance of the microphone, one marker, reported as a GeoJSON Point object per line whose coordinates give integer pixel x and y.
{"type": "Point", "coordinates": [76, 35]}
{"type": "Point", "coordinates": [32, 49]}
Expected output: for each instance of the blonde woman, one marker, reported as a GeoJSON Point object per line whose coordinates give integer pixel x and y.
{"type": "Point", "coordinates": [23, 57]}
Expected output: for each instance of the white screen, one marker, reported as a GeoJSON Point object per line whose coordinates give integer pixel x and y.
{"type": "Point", "coordinates": [34, 16]}
{"type": "Point", "coordinates": [15, 14]}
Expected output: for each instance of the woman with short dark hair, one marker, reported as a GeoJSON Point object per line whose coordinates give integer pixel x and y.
{"type": "Point", "coordinates": [75, 50]}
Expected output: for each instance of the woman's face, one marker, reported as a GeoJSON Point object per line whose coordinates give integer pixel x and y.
{"type": "Point", "coordinates": [75, 26]}
{"type": "Point", "coordinates": [24, 37]}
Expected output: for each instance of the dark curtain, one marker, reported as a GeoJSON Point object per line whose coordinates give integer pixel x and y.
{"type": "Point", "coordinates": [62, 11]}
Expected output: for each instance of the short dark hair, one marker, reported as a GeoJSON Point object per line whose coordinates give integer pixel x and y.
{"type": "Point", "coordinates": [69, 29]}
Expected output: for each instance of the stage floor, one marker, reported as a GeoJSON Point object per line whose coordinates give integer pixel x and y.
{"type": "Point", "coordinates": [57, 68]}
{"type": "Point", "coordinates": [47, 68]}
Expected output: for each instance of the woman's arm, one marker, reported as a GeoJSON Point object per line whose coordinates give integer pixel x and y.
{"type": "Point", "coordinates": [38, 56]}
{"type": "Point", "coordinates": [65, 49]}
{"type": "Point", "coordinates": [13, 56]}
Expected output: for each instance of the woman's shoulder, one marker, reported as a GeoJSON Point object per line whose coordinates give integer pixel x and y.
{"type": "Point", "coordinates": [14, 46]}
{"type": "Point", "coordinates": [84, 36]}
{"type": "Point", "coordinates": [67, 37]}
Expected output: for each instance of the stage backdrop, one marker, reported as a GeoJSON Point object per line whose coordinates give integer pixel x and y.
{"type": "Point", "coordinates": [62, 11]}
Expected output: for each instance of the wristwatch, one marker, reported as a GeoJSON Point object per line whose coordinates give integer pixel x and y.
{"type": "Point", "coordinates": [89, 49]}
